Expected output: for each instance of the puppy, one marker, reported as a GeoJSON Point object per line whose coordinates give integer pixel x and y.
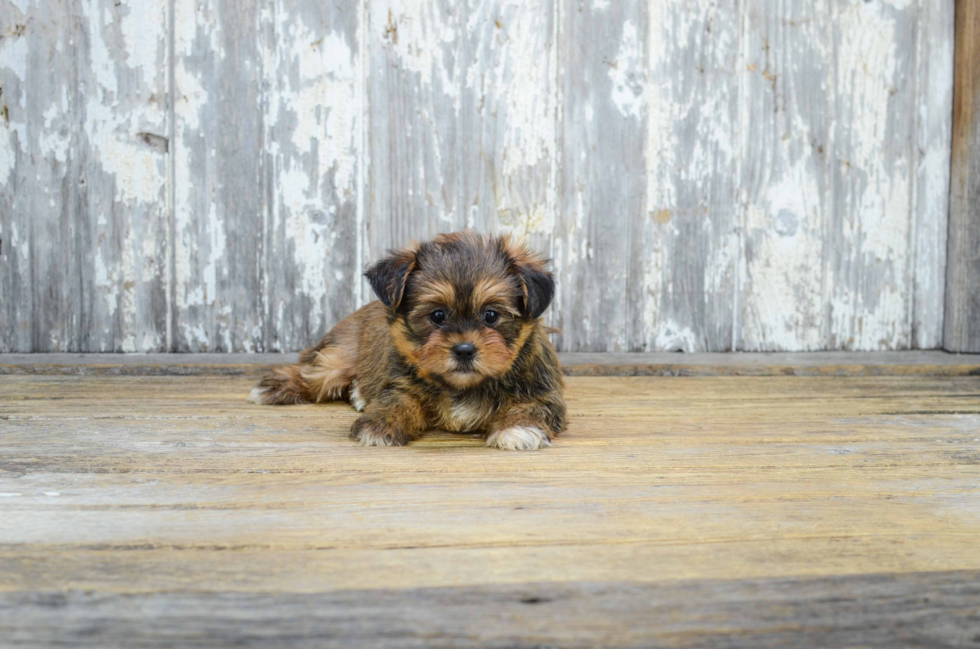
{"type": "Point", "coordinates": [455, 342]}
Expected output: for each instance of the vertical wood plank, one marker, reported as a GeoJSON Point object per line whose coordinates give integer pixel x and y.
{"type": "Point", "coordinates": [601, 186]}
{"type": "Point", "coordinates": [313, 153]}
{"type": "Point", "coordinates": [933, 128]}
{"type": "Point", "coordinates": [962, 327]}
{"type": "Point", "coordinates": [785, 179]}
{"type": "Point", "coordinates": [647, 228]}
{"type": "Point", "coordinates": [684, 244]}
{"type": "Point", "coordinates": [25, 178]}
{"type": "Point", "coordinates": [868, 242]}
{"type": "Point", "coordinates": [39, 89]}
{"type": "Point", "coordinates": [220, 196]}
{"type": "Point", "coordinates": [121, 152]}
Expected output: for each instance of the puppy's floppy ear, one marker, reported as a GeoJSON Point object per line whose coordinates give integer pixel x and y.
{"type": "Point", "coordinates": [536, 282]}
{"type": "Point", "coordinates": [389, 276]}
{"type": "Point", "coordinates": [539, 289]}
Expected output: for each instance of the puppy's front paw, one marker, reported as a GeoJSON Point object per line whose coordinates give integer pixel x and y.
{"type": "Point", "coordinates": [368, 432]}
{"type": "Point", "coordinates": [519, 438]}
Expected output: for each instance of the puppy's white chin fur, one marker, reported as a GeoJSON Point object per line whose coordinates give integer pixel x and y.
{"type": "Point", "coordinates": [519, 438]}
{"type": "Point", "coordinates": [257, 395]}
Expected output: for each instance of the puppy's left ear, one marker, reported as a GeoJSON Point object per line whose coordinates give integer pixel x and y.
{"type": "Point", "coordinates": [539, 289]}
{"type": "Point", "coordinates": [389, 276]}
{"type": "Point", "coordinates": [536, 282]}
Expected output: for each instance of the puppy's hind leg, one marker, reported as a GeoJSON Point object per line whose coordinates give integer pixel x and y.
{"type": "Point", "coordinates": [323, 374]}
{"type": "Point", "coordinates": [283, 386]}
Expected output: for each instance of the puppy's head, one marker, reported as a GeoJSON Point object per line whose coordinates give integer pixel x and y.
{"type": "Point", "coordinates": [462, 306]}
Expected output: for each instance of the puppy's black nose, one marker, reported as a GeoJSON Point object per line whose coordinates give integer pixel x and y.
{"type": "Point", "coordinates": [464, 351]}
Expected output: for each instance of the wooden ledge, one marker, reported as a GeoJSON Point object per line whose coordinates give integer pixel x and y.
{"type": "Point", "coordinates": [903, 363]}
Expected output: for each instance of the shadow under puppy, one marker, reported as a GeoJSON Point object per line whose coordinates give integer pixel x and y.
{"type": "Point", "coordinates": [455, 342]}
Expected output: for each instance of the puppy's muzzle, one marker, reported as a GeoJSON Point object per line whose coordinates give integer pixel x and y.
{"type": "Point", "coordinates": [464, 352]}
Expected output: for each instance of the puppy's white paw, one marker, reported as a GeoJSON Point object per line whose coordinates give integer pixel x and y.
{"type": "Point", "coordinates": [519, 438]}
{"type": "Point", "coordinates": [257, 395]}
{"type": "Point", "coordinates": [371, 433]}
{"type": "Point", "coordinates": [371, 437]}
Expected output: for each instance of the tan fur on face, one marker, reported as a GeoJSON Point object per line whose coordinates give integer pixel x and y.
{"type": "Point", "coordinates": [436, 294]}
{"type": "Point", "coordinates": [493, 357]}
{"type": "Point", "coordinates": [436, 361]}
{"type": "Point", "coordinates": [495, 291]}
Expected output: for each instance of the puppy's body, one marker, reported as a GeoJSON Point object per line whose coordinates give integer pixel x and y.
{"type": "Point", "coordinates": [455, 342]}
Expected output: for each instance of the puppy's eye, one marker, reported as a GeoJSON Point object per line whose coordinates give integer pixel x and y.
{"type": "Point", "coordinates": [438, 317]}
{"type": "Point", "coordinates": [490, 317]}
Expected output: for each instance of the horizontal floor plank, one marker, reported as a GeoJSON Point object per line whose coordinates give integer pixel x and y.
{"type": "Point", "coordinates": [936, 609]}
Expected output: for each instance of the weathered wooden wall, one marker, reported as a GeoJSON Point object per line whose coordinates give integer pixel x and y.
{"type": "Point", "coordinates": [212, 175]}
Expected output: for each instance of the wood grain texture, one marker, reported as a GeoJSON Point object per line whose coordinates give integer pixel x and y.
{"type": "Point", "coordinates": [962, 332]}
{"type": "Point", "coordinates": [18, 184]}
{"type": "Point", "coordinates": [774, 510]}
{"type": "Point", "coordinates": [38, 178]}
{"type": "Point", "coordinates": [886, 611]}
{"type": "Point", "coordinates": [833, 212]}
{"type": "Point", "coordinates": [707, 176]}
{"type": "Point", "coordinates": [785, 177]}
{"type": "Point", "coordinates": [219, 176]}
{"type": "Point", "coordinates": [120, 154]}
{"type": "Point", "coordinates": [873, 171]}
{"type": "Point", "coordinates": [934, 105]}
{"type": "Point", "coordinates": [683, 243]}
{"type": "Point", "coordinates": [314, 122]}
{"type": "Point", "coordinates": [601, 188]}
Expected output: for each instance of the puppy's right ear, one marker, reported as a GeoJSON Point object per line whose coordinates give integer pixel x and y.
{"type": "Point", "coordinates": [389, 276]}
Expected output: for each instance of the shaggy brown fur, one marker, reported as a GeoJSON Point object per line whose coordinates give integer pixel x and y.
{"type": "Point", "coordinates": [454, 342]}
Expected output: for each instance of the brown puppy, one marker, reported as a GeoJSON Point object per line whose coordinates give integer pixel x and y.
{"type": "Point", "coordinates": [455, 342]}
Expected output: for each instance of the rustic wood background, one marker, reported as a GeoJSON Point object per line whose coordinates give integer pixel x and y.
{"type": "Point", "coordinates": [708, 175]}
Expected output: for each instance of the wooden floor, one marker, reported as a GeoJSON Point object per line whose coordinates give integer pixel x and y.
{"type": "Point", "coordinates": [727, 511]}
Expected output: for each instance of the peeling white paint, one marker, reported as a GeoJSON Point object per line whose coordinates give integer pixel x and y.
{"type": "Point", "coordinates": [782, 311]}
{"type": "Point", "coordinates": [415, 31]}
{"type": "Point", "coordinates": [13, 56]}
{"type": "Point", "coordinates": [517, 89]}
{"type": "Point", "coordinates": [628, 74]}
{"type": "Point", "coordinates": [317, 167]}
{"type": "Point", "coordinates": [102, 63]}
{"type": "Point", "coordinates": [144, 23]}
{"type": "Point", "coordinates": [661, 146]}
{"type": "Point", "coordinates": [673, 337]}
